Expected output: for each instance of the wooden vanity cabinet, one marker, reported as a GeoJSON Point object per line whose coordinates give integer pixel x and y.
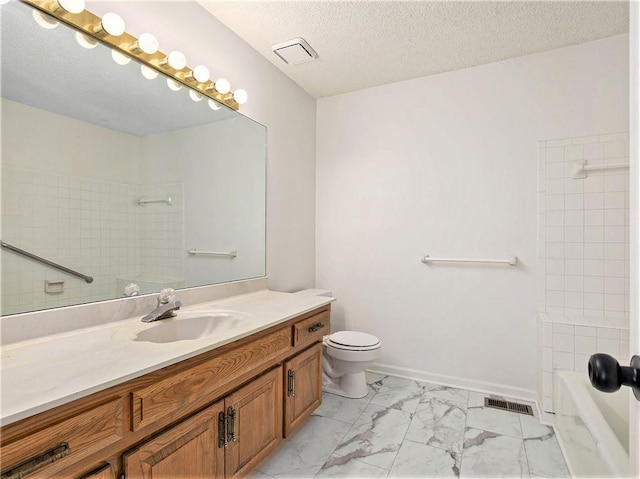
{"type": "Point", "coordinates": [215, 415]}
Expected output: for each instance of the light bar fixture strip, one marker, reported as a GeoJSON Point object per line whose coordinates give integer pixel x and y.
{"type": "Point", "coordinates": [85, 22]}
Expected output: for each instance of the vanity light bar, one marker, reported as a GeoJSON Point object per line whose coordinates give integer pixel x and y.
{"type": "Point", "coordinates": [86, 23]}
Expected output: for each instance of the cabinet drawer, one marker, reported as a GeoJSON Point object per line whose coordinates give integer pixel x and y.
{"type": "Point", "coordinates": [69, 441]}
{"type": "Point", "coordinates": [311, 329]}
{"type": "Point", "coordinates": [194, 386]}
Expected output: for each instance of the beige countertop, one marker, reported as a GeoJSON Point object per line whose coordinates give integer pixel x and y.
{"type": "Point", "coordinates": [42, 373]}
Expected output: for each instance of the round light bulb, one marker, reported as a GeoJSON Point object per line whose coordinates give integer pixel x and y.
{"type": "Point", "coordinates": [176, 60]}
{"type": "Point", "coordinates": [44, 20]}
{"type": "Point", "coordinates": [148, 73]}
{"type": "Point", "coordinates": [148, 43]}
{"type": "Point", "coordinates": [111, 24]}
{"type": "Point", "coordinates": [222, 86]}
{"type": "Point", "coordinates": [173, 85]}
{"type": "Point", "coordinates": [85, 41]}
{"type": "Point", "coordinates": [214, 105]}
{"type": "Point", "coordinates": [72, 6]}
{"type": "Point", "coordinates": [200, 74]}
{"type": "Point", "coordinates": [195, 96]}
{"type": "Point", "coordinates": [119, 58]}
{"type": "Point", "coordinates": [240, 96]}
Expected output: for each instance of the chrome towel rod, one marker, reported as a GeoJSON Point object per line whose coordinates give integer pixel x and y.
{"type": "Point", "coordinates": [37, 258]}
{"type": "Point", "coordinates": [195, 252]}
{"type": "Point", "coordinates": [510, 261]}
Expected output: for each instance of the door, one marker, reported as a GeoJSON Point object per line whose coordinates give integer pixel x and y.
{"type": "Point", "coordinates": [634, 206]}
{"type": "Point", "coordinates": [254, 423]}
{"type": "Point", "coordinates": [188, 451]}
{"type": "Point", "coordinates": [303, 376]}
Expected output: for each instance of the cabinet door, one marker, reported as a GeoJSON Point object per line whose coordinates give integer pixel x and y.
{"type": "Point", "coordinates": [303, 376]}
{"type": "Point", "coordinates": [256, 427]}
{"type": "Point", "coordinates": [189, 450]}
{"type": "Point", "coordinates": [104, 472]}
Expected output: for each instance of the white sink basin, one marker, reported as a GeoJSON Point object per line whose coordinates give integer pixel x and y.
{"type": "Point", "coordinates": [189, 326]}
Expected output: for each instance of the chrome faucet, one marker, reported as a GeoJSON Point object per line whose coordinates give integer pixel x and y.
{"type": "Point", "coordinates": [166, 307]}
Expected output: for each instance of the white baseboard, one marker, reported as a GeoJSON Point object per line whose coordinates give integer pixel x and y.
{"type": "Point", "coordinates": [528, 395]}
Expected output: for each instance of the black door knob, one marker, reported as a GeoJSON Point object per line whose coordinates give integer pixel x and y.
{"type": "Point", "coordinates": [606, 374]}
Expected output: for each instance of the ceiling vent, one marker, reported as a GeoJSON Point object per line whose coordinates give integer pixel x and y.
{"type": "Point", "coordinates": [295, 51]}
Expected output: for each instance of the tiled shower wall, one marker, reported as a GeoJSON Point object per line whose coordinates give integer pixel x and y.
{"type": "Point", "coordinates": [42, 213]}
{"type": "Point", "coordinates": [583, 253]}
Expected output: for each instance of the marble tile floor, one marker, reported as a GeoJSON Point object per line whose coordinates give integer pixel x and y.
{"type": "Point", "coordinates": [405, 428]}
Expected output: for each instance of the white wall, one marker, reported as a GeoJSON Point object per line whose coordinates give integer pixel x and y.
{"type": "Point", "coordinates": [285, 109]}
{"type": "Point", "coordinates": [446, 166]}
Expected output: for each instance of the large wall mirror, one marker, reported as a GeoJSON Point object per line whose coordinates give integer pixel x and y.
{"type": "Point", "coordinates": [117, 177]}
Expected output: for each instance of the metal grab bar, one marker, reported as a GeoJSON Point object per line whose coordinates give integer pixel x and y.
{"type": "Point", "coordinates": [511, 261]}
{"type": "Point", "coordinates": [22, 252]}
{"type": "Point", "coordinates": [195, 252]}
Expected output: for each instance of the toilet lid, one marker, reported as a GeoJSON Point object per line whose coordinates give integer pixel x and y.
{"type": "Point", "coordinates": [353, 339]}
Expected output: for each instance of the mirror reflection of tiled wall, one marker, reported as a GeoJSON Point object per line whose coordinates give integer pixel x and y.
{"type": "Point", "coordinates": [42, 213]}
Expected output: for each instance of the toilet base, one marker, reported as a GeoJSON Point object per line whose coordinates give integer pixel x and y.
{"type": "Point", "coordinates": [352, 386]}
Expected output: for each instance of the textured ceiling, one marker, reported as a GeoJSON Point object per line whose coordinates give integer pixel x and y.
{"type": "Point", "coordinates": [362, 44]}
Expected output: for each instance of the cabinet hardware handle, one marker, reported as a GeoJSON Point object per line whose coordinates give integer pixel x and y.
{"type": "Point", "coordinates": [222, 432]}
{"type": "Point", "coordinates": [231, 424]}
{"type": "Point", "coordinates": [291, 384]}
{"type": "Point", "coordinates": [316, 327]}
{"type": "Point", "coordinates": [36, 462]}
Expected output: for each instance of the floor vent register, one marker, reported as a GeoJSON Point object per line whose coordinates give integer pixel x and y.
{"type": "Point", "coordinates": [508, 406]}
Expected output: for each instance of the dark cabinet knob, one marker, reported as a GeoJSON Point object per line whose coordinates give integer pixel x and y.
{"type": "Point", "coordinates": [606, 374]}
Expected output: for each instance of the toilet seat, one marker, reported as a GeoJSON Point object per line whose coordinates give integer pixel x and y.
{"type": "Point", "coordinates": [352, 341]}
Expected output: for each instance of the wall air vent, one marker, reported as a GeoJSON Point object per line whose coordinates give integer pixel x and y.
{"type": "Point", "coordinates": [295, 51]}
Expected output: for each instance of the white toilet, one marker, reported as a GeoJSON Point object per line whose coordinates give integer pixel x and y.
{"type": "Point", "coordinates": [346, 355]}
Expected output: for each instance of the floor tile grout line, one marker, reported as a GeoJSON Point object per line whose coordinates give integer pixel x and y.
{"type": "Point", "coordinates": [404, 438]}
{"type": "Point", "coordinates": [524, 447]}
{"type": "Point", "coordinates": [464, 433]}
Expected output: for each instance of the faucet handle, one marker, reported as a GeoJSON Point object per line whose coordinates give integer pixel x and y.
{"type": "Point", "coordinates": [166, 295]}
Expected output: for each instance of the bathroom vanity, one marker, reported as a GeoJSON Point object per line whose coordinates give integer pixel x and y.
{"type": "Point", "coordinates": [149, 406]}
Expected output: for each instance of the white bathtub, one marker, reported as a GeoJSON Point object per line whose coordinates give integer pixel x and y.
{"type": "Point", "coordinates": [592, 427]}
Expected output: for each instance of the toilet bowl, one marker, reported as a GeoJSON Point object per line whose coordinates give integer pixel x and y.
{"type": "Point", "coordinates": [345, 357]}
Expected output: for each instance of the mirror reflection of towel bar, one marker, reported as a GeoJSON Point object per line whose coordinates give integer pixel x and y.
{"type": "Point", "coordinates": [581, 167]}
{"type": "Point", "coordinates": [510, 261]}
{"type": "Point", "coordinates": [145, 201]}
{"type": "Point", "coordinates": [195, 252]}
